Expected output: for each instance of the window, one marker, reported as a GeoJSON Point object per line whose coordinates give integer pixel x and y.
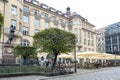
{"type": "Point", "coordinates": [26, 9]}
{"type": "Point", "coordinates": [45, 15]}
{"type": "Point", "coordinates": [25, 31]}
{"type": "Point", "coordinates": [92, 36]}
{"type": "Point", "coordinates": [42, 58]}
{"type": "Point", "coordinates": [53, 18]}
{"type": "Point", "coordinates": [92, 43]}
{"type": "Point", "coordinates": [76, 31]}
{"type": "Point", "coordinates": [44, 6]}
{"type": "Point", "coordinates": [36, 31]}
{"type": "Point", "coordinates": [36, 13]}
{"type": "Point", "coordinates": [35, 2]}
{"type": "Point", "coordinates": [25, 43]}
{"type": "Point", "coordinates": [88, 35]}
{"type": "Point", "coordinates": [84, 41]}
{"type": "Point", "coordinates": [25, 19]}
{"type": "Point", "coordinates": [88, 42]}
{"type": "Point", "coordinates": [14, 10]}
{"type": "Point", "coordinates": [37, 22]}
{"type": "Point", "coordinates": [84, 33]}
{"type": "Point", "coordinates": [46, 25]}
{"type": "Point", "coordinates": [75, 22]}
{"type": "Point", "coordinates": [14, 22]}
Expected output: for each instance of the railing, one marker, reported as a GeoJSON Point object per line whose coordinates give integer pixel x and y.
{"type": "Point", "coordinates": [20, 69]}
{"type": "Point", "coordinates": [34, 67]}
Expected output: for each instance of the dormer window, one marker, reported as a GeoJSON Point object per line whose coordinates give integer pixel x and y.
{"type": "Point", "coordinates": [27, 0]}
{"type": "Point", "coordinates": [52, 9]}
{"type": "Point", "coordinates": [65, 15]}
{"type": "Point", "coordinates": [44, 6]}
{"type": "Point", "coordinates": [59, 12]}
{"type": "Point", "coordinates": [35, 2]}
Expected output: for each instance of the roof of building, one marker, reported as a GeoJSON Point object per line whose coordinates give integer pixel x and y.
{"type": "Point", "coordinates": [114, 25]}
{"type": "Point", "coordinates": [44, 6]}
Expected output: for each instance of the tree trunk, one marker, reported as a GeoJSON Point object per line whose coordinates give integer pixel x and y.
{"type": "Point", "coordinates": [24, 60]}
{"type": "Point", "coordinates": [54, 62]}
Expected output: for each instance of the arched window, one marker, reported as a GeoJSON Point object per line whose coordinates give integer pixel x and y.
{"type": "Point", "coordinates": [25, 43]}
{"type": "Point", "coordinates": [42, 58]}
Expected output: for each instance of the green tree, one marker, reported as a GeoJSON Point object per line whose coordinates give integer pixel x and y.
{"type": "Point", "coordinates": [54, 41]}
{"type": "Point", "coordinates": [25, 52]}
{"type": "Point", "coordinates": [1, 22]}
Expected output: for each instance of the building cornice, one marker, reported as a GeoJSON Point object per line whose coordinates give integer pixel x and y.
{"type": "Point", "coordinates": [56, 12]}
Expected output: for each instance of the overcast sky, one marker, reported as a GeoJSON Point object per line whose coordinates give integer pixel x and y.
{"type": "Point", "coordinates": [98, 12]}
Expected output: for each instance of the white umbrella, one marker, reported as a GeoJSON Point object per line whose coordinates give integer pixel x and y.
{"type": "Point", "coordinates": [88, 54]}
{"type": "Point", "coordinates": [65, 56]}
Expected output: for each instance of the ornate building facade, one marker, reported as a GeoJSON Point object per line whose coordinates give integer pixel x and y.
{"type": "Point", "coordinates": [31, 16]}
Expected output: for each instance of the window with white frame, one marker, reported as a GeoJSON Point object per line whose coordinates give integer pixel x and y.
{"type": "Point", "coordinates": [37, 22]}
{"type": "Point", "coordinates": [76, 31]}
{"type": "Point", "coordinates": [14, 22]}
{"type": "Point", "coordinates": [14, 10]}
{"type": "Point", "coordinates": [26, 9]}
{"type": "Point", "coordinates": [25, 19]}
{"type": "Point", "coordinates": [46, 25]}
{"type": "Point", "coordinates": [25, 31]}
{"type": "Point", "coordinates": [25, 43]}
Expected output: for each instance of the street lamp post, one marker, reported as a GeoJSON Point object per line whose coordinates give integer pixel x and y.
{"type": "Point", "coordinates": [75, 69]}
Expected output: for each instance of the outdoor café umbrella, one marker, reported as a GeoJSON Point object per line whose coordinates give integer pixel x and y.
{"type": "Point", "coordinates": [87, 54]}
{"type": "Point", "coordinates": [65, 56]}
{"type": "Point", "coordinates": [101, 56]}
{"type": "Point", "coordinates": [112, 57]}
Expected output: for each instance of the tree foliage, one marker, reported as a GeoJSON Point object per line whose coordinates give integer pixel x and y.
{"type": "Point", "coordinates": [25, 52]}
{"type": "Point", "coordinates": [1, 22]}
{"type": "Point", "coordinates": [53, 39]}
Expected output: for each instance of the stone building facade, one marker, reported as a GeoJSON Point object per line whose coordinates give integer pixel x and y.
{"type": "Point", "coordinates": [31, 16]}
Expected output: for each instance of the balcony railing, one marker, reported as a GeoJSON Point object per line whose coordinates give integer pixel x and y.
{"type": "Point", "coordinates": [17, 33]}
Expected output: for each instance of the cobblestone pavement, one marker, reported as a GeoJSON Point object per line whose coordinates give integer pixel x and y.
{"type": "Point", "coordinates": [111, 73]}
